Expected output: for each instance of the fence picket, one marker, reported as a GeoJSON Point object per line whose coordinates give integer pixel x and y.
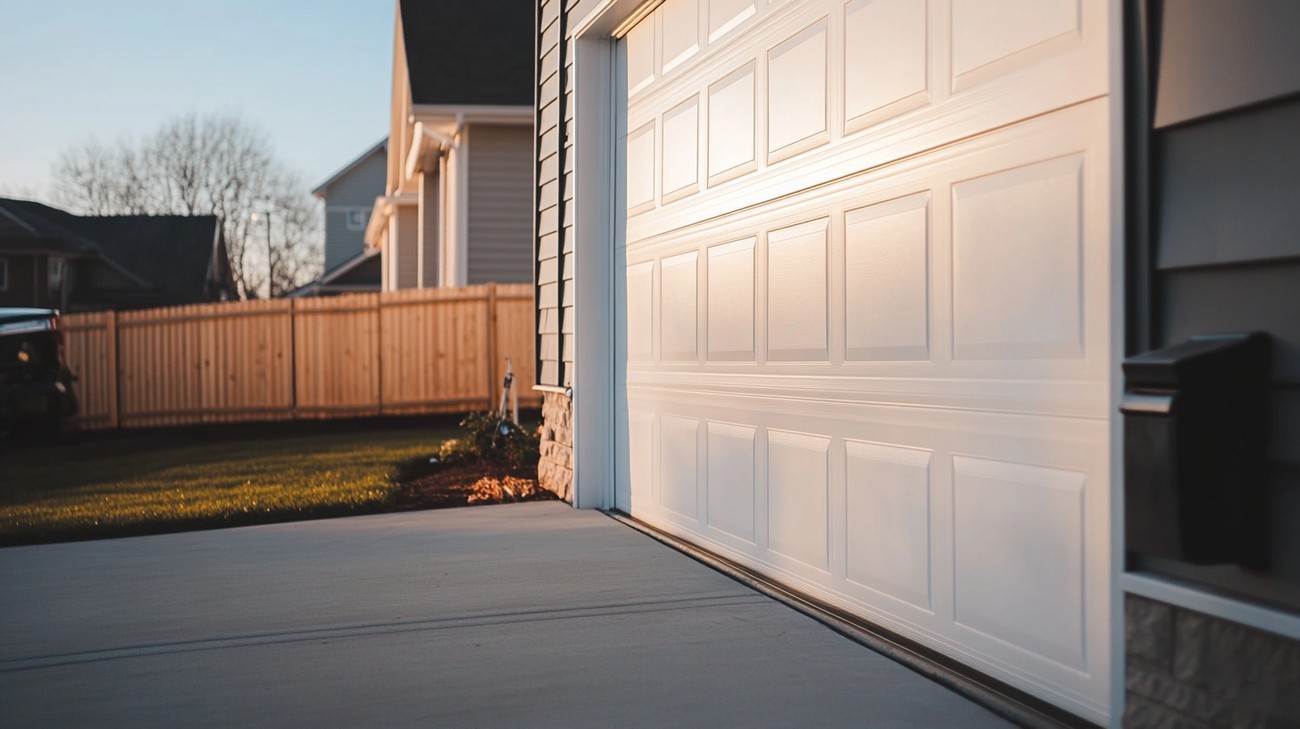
{"type": "Point", "coordinates": [405, 352]}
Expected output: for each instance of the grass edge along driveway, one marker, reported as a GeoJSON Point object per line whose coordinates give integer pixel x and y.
{"type": "Point", "coordinates": [129, 483]}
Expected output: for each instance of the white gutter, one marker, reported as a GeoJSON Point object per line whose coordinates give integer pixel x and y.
{"type": "Point", "coordinates": [428, 145]}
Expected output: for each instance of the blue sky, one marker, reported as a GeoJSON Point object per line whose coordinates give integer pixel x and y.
{"type": "Point", "coordinates": [313, 75]}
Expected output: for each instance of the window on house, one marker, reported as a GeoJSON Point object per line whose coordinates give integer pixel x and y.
{"type": "Point", "coordinates": [55, 272]}
{"type": "Point", "coordinates": [357, 218]}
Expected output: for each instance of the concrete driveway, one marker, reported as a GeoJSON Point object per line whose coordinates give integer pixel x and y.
{"type": "Point", "coordinates": [530, 615]}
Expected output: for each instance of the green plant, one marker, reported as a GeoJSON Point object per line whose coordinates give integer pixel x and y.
{"type": "Point", "coordinates": [492, 442]}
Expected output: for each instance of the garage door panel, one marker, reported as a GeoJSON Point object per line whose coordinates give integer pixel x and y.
{"type": "Point", "coordinates": [887, 515]}
{"type": "Point", "coordinates": [641, 459]}
{"type": "Point", "coordinates": [731, 124]}
{"type": "Point", "coordinates": [730, 306]}
{"type": "Point", "coordinates": [640, 306]}
{"type": "Point", "coordinates": [1017, 263]}
{"type": "Point", "coordinates": [1019, 555]}
{"type": "Point", "coordinates": [796, 93]}
{"type": "Point", "coordinates": [680, 33]}
{"type": "Point", "coordinates": [887, 280]}
{"type": "Point", "coordinates": [797, 289]}
{"type": "Point", "coordinates": [726, 16]}
{"type": "Point", "coordinates": [880, 34]}
{"type": "Point", "coordinates": [679, 465]}
{"type": "Point", "coordinates": [877, 117]}
{"type": "Point", "coordinates": [730, 482]}
{"type": "Point", "coordinates": [681, 168]}
{"type": "Point", "coordinates": [797, 525]}
{"type": "Point", "coordinates": [678, 307]}
{"type": "Point", "coordinates": [875, 255]}
{"type": "Point", "coordinates": [990, 37]}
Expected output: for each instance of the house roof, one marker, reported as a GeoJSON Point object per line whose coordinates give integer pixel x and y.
{"type": "Point", "coordinates": [173, 252]}
{"type": "Point", "coordinates": [27, 226]}
{"type": "Point", "coordinates": [469, 52]}
{"type": "Point", "coordinates": [323, 188]}
{"type": "Point", "coordinates": [168, 258]}
{"type": "Point", "coordinates": [360, 273]}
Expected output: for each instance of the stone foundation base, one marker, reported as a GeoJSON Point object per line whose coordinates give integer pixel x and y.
{"type": "Point", "coordinates": [555, 469]}
{"type": "Point", "coordinates": [1187, 670]}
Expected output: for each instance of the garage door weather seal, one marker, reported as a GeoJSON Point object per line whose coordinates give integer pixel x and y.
{"type": "Point", "coordinates": [1002, 699]}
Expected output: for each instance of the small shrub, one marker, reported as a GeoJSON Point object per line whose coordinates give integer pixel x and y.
{"type": "Point", "coordinates": [491, 442]}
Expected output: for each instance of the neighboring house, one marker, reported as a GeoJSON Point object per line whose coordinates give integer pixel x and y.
{"type": "Point", "coordinates": [349, 197]}
{"type": "Point", "coordinates": [52, 258]}
{"type": "Point", "coordinates": [840, 292]}
{"type": "Point", "coordinates": [456, 208]}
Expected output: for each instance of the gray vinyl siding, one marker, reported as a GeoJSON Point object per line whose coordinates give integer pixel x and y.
{"type": "Point", "coordinates": [358, 188]}
{"type": "Point", "coordinates": [1224, 253]}
{"type": "Point", "coordinates": [500, 198]}
{"type": "Point", "coordinates": [576, 10]}
{"type": "Point", "coordinates": [548, 244]}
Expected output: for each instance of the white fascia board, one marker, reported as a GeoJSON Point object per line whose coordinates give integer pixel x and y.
{"type": "Point", "coordinates": [450, 113]}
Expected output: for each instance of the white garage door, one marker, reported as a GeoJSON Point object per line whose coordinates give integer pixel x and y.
{"type": "Point", "coordinates": [865, 313]}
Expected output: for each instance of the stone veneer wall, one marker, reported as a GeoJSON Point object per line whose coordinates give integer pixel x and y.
{"type": "Point", "coordinates": [1187, 670]}
{"type": "Point", "coordinates": [555, 470]}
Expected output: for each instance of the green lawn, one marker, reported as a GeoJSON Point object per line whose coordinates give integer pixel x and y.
{"type": "Point", "coordinates": [95, 485]}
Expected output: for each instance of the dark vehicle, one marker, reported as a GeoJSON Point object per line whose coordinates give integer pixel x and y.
{"type": "Point", "coordinates": [35, 384]}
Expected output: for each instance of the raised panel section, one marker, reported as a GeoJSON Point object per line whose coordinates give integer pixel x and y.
{"type": "Point", "coordinates": [640, 57]}
{"type": "Point", "coordinates": [797, 497]}
{"type": "Point", "coordinates": [681, 32]}
{"type": "Point", "coordinates": [640, 311]}
{"type": "Point", "coordinates": [640, 431]}
{"type": "Point", "coordinates": [641, 169]}
{"type": "Point", "coordinates": [887, 510]}
{"type": "Point", "coordinates": [1017, 263]}
{"type": "Point", "coordinates": [681, 149]}
{"type": "Point", "coordinates": [885, 51]}
{"type": "Point", "coordinates": [1003, 34]}
{"type": "Point", "coordinates": [727, 15]}
{"type": "Point", "coordinates": [677, 308]}
{"type": "Point", "coordinates": [1018, 552]}
{"type": "Point", "coordinates": [886, 280]}
{"type": "Point", "coordinates": [796, 292]}
{"type": "Point", "coordinates": [730, 332]}
{"type": "Point", "coordinates": [731, 125]}
{"type": "Point", "coordinates": [731, 479]}
{"type": "Point", "coordinates": [678, 454]}
{"type": "Point", "coordinates": [796, 93]}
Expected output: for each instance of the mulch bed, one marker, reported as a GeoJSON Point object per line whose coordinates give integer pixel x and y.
{"type": "Point", "coordinates": [424, 485]}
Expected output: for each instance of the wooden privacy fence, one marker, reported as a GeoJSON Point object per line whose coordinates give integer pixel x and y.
{"type": "Point", "coordinates": [402, 352]}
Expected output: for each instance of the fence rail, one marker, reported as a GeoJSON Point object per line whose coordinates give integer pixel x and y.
{"type": "Point", "coordinates": [403, 352]}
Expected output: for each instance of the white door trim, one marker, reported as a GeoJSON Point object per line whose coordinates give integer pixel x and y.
{"type": "Point", "coordinates": [595, 229]}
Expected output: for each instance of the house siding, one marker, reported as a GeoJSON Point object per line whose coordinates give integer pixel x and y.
{"type": "Point", "coordinates": [1215, 251]}
{"type": "Point", "coordinates": [1222, 245]}
{"type": "Point", "coordinates": [357, 189]}
{"type": "Point", "coordinates": [500, 195]}
{"type": "Point", "coordinates": [548, 243]}
{"type": "Point", "coordinates": [553, 244]}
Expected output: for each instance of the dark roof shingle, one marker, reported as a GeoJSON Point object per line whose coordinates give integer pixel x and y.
{"type": "Point", "coordinates": [172, 252]}
{"type": "Point", "coordinates": [470, 52]}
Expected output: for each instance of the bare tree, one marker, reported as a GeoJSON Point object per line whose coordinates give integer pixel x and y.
{"type": "Point", "coordinates": [204, 165]}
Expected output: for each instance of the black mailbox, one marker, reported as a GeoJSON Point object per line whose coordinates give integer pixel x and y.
{"type": "Point", "coordinates": [1195, 444]}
